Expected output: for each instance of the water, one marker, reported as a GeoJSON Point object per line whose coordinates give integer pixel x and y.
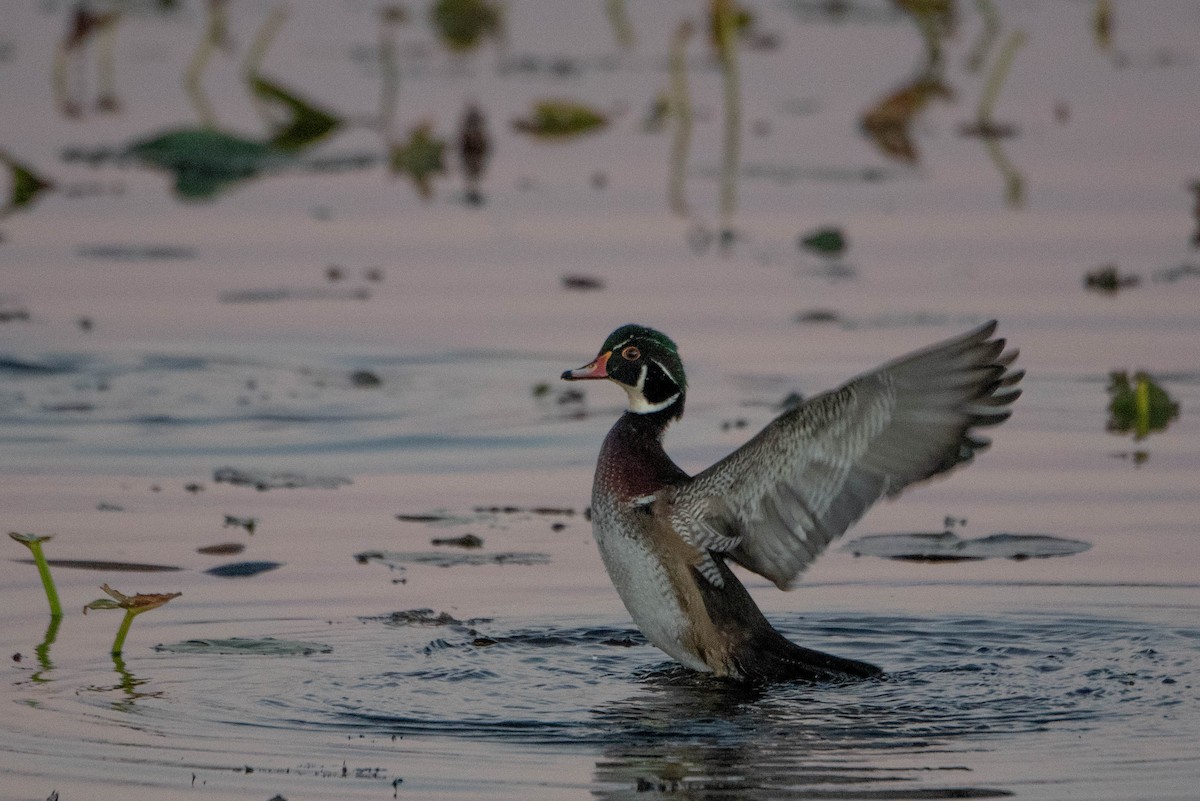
{"type": "Point", "coordinates": [329, 328]}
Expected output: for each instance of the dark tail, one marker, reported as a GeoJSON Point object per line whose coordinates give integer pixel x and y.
{"type": "Point", "coordinates": [773, 658]}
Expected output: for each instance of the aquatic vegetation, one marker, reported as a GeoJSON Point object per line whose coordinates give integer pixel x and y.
{"type": "Point", "coordinates": [889, 122]}
{"type": "Point", "coordinates": [465, 541]}
{"type": "Point", "coordinates": [34, 543]}
{"type": "Point", "coordinates": [978, 53]}
{"type": "Point", "coordinates": [133, 605]}
{"type": "Point", "coordinates": [1108, 279]}
{"type": "Point", "coordinates": [246, 646]}
{"type": "Point", "coordinates": [622, 26]}
{"type": "Point", "coordinates": [946, 546]}
{"type": "Point", "coordinates": [262, 480]}
{"type": "Point", "coordinates": [679, 107]}
{"type": "Point", "coordinates": [205, 161]}
{"type": "Point", "coordinates": [561, 119]}
{"type": "Point", "coordinates": [1139, 406]}
{"type": "Point", "coordinates": [463, 24]}
{"type": "Point", "coordinates": [474, 150]}
{"type": "Point", "coordinates": [421, 158]}
{"type": "Point", "coordinates": [243, 569]}
{"type": "Point", "coordinates": [248, 523]}
{"type": "Point", "coordinates": [985, 126]}
{"type": "Point", "coordinates": [86, 25]}
{"type": "Point", "coordinates": [215, 37]}
{"type": "Point", "coordinates": [1103, 22]}
{"type": "Point", "coordinates": [827, 241]}
{"type": "Point", "coordinates": [728, 19]}
{"type": "Point", "coordinates": [306, 123]}
{"type": "Point", "coordinates": [25, 186]}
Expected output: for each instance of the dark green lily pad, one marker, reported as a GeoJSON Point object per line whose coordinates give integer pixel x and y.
{"type": "Point", "coordinates": [242, 569]}
{"type": "Point", "coordinates": [205, 161]}
{"type": "Point", "coordinates": [265, 646]}
{"type": "Point", "coordinates": [946, 546]}
{"type": "Point", "coordinates": [827, 241]}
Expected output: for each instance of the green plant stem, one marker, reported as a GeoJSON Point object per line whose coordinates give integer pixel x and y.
{"type": "Point", "coordinates": [995, 80]}
{"type": "Point", "coordinates": [681, 115]}
{"type": "Point", "coordinates": [39, 559]}
{"type": "Point", "coordinates": [727, 34]}
{"type": "Point", "coordinates": [119, 641]}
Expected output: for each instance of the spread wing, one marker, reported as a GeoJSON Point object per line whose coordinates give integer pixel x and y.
{"type": "Point", "coordinates": [776, 502]}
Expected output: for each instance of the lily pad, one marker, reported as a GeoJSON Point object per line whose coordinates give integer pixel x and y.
{"type": "Point", "coordinates": [307, 123]}
{"type": "Point", "coordinates": [265, 646]}
{"type": "Point", "coordinates": [945, 546]}
{"type": "Point", "coordinates": [205, 161]}
{"type": "Point", "coordinates": [242, 569]}
{"type": "Point", "coordinates": [828, 241]}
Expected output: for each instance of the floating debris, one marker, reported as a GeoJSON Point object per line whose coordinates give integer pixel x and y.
{"type": "Point", "coordinates": [422, 617]}
{"type": "Point", "coordinates": [242, 569]}
{"type": "Point", "coordinates": [399, 559]}
{"type": "Point", "coordinates": [465, 541]}
{"type": "Point", "coordinates": [582, 282]}
{"type": "Point", "coordinates": [278, 294]}
{"type": "Point", "coordinates": [263, 480]}
{"type": "Point", "coordinates": [365, 379]}
{"type": "Point", "coordinates": [1108, 279]}
{"type": "Point", "coordinates": [205, 161]}
{"type": "Point", "coordinates": [235, 646]}
{"type": "Point", "coordinates": [423, 518]}
{"type": "Point", "coordinates": [569, 402]}
{"type": "Point", "coordinates": [136, 252]}
{"type": "Point", "coordinates": [248, 523]}
{"type": "Point", "coordinates": [1173, 274]}
{"type": "Point", "coordinates": [889, 122]}
{"type": "Point", "coordinates": [817, 316]}
{"type": "Point", "coordinates": [561, 119]}
{"type": "Point", "coordinates": [1140, 406]}
{"type": "Point", "coordinates": [946, 546]}
{"type": "Point", "coordinates": [222, 549]}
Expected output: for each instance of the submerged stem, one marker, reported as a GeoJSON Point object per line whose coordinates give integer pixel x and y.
{"type": "Point", "coordinates": [726, 29]}
{"type": "Point", "coordinates": [122, 632]}
{"type": "Point", "coordinates": [681, 115]}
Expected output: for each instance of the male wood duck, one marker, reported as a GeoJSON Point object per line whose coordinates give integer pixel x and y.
{"type": "Point", "coordinates": [776, 502]}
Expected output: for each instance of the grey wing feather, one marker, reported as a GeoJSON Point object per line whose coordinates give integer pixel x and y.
{"type": "Point", "coordinates": [775, 503]}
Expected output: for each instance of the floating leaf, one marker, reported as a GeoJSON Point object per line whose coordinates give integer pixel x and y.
{"type": "Point", "coordinates": [26, 185]}
{"type": "Point", "coordinates": [828, 241]}
{"type": "Point", "coordinates": [561, 119]}
{"type": "Point", "coordinates": [205, 161]}
{"type": "Point", "coordinates": [946, 546]}
{"type": "Point", "coordinates": [889, 122]}
{"type": "Point", "coordinates": [103, 564]}
{"type": "Point", "coordinates": [1140, 406]}
{"type": "Point", "coordinates": [266, 646]}
{"type": "Point", "coordinates": [307, 123]}
{"type": "Point", "coordinates": [421, 158]}
{"type": "Point", "coordinates": [242, 569]}
{"type": "Point", "coordinates": [462, 24]}
{"type": "Point", "coordinates": [397, 559]}
{"type": "Point", "coordinates": [141, 602]}
{"type": "Point", "coordinates": [1109, 279]}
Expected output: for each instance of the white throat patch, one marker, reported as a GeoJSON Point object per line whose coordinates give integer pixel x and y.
{"type": "Point", "coordinates": [637, 398]}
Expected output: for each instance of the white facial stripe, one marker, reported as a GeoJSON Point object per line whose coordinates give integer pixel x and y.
{"type": "Point", "coordinates": [663, 367]}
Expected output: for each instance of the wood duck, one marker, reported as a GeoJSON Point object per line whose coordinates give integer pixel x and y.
{"type": "Point", "coordinates": [776, 502]}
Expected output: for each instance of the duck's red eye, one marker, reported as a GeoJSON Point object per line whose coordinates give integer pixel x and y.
{"type": "Point", "coordinates": [631, 354]}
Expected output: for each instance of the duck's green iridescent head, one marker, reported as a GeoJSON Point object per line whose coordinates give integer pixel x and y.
{"type": "Point", "coordinates": [645, 363]}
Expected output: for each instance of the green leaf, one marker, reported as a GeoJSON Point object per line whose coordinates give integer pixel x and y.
{"type": "Point", "coordinates": [827, 241]}
{"type": "Point", "coordinates": [462, 24]}
{"type": "Point", "coordinates": [205, 161]}
{"type": "Point", "coordinates": [421, 158]}
{"type": "Point", "coordinates": [561, 119]}
{"type": "Point", "coordinates": [307, 125]}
